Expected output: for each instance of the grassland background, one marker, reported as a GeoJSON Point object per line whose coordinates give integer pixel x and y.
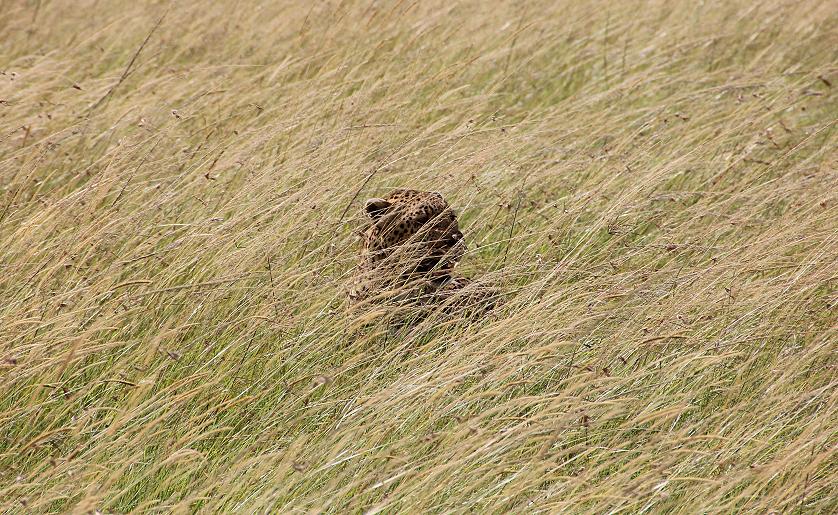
{"type": "Point", "coordinates": [652, 184]}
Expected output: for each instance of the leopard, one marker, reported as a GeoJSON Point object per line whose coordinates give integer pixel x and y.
{"type": "Point", "coordinates": [409, 250]}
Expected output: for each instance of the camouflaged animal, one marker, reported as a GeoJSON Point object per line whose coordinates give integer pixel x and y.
{"type": "Point", "coordinates": [409, 248]}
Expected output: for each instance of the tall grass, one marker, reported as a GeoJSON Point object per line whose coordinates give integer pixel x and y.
{"type": "Point", "coordinates": [652, 185]}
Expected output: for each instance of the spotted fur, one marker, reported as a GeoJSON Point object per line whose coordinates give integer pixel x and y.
{"type": "Point", "coordinates": [412, 243]}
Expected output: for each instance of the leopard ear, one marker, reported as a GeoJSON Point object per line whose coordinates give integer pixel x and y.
{"type": "Point", "coordinates": [375, 207]}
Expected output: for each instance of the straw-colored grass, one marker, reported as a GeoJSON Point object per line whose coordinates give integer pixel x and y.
{"type": "Point", "coordinates": [652, 185]}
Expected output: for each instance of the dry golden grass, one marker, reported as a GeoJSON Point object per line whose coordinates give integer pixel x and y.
{"type": "Point", "coordinates": [653, 185]}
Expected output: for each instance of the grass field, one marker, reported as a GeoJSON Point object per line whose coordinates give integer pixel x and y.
{"type": "Point", "coordinates": [653, 185]}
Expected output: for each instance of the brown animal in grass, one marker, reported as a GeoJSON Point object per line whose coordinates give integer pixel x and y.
{"type": "Point", "coordinates": [409, 250]}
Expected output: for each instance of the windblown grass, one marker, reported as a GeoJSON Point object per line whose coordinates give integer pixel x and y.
{"type": "Point", "coordinates": [653, 185]}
